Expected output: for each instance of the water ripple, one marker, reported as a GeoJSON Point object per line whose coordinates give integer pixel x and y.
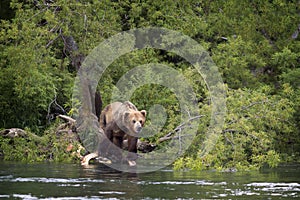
{"type": "Point", "coordinates": [10, 178]}
{"type": "Point", "coordinates": [197, 182]}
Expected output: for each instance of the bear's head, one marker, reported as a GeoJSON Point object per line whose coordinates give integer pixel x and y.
{"type": "Point", "coordinates": [134, 120]}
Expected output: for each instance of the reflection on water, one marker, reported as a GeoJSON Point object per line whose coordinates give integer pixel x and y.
{"type": "Point", "coordinates": [69, 181]}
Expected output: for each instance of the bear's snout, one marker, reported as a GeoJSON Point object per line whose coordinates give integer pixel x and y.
{"type": "Point", "coordinates": [138, 129]}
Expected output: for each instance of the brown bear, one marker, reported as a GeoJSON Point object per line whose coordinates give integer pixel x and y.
{"type": "Point", "coordinates": [120, 121]}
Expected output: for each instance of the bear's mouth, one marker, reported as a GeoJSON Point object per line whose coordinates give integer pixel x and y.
{"type": "Point", "coordinates": [138, 129]}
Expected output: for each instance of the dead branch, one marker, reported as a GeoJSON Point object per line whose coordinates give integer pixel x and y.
{"type": "Point", "coordinates": [253, 104]}
{"type": "Point", "coordinates": [58, 108]}
{"type": "Point", "coordinates": [67, 118]}
{"type": "Point", "coordinates": [178, 129]}
{"type": "Point", "coordinates": [17, 132]}
{"type": "Point", "coordinates": [52, 41]}
{"type": "Point", "coordinates": [13, 132]}
{"type": "Point", "coordinates": [162, 139]}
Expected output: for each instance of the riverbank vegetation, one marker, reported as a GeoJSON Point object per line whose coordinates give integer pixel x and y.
{"type": "Point", "coordinates": [255, 45]}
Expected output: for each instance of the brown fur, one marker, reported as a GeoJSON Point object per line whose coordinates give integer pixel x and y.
{"type": "Point", "coordinates": [120, 121]}
{"type": "Point", "coordinates": [114, 111]}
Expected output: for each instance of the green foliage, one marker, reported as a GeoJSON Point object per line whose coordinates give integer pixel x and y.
{"type": "Point", "coordinates": [236, 58]}
{"type": "Point", "coordinates": [189, 163]}
{"type": "Point", "coordinates": [246, 44]}
{"type": "Point", "coordinates": [33, 148]}
{"type": "Point", "coordinates": [258, 126]}
{"type": "Point", "coordinates": [255, 44]}
{"type": "Point", "coordinates": [35, 67]}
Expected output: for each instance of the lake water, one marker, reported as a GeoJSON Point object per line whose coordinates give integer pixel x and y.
{"type": "Point", "coordinates": [72, 181]}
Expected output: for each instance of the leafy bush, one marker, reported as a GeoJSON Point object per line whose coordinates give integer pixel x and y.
{"type": "Point", "coordinates": [258, 126]}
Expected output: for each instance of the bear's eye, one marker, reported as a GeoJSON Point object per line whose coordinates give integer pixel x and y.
{"type": "Point", "coordinates": [133, 121]}
{"type": "Point", "coordinates": [141, 121]}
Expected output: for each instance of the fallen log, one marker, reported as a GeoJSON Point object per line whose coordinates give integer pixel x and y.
{"type": "Point", "coordinates": [142, 146]}
{"type": "Point", "coordinates": [68, 133]}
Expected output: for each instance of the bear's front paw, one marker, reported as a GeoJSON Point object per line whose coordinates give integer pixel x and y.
{"type": "Point", "coordinates": [131, 163]}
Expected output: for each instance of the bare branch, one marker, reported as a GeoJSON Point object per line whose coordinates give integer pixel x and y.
{"type": "Point", "coordinates": [178, 129]}
{"type": "Point", "coordinates": [13, 132]}
{"type": "Point", "coordinates": [67, 118]}
{"type": "Point", "coordinates": [29, 19]}
{"type": "Point", "coordinates": [253, 104]}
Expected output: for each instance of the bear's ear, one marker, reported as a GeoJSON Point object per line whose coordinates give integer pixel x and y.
{"type": "Point", "coordinates": [144, 113]}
